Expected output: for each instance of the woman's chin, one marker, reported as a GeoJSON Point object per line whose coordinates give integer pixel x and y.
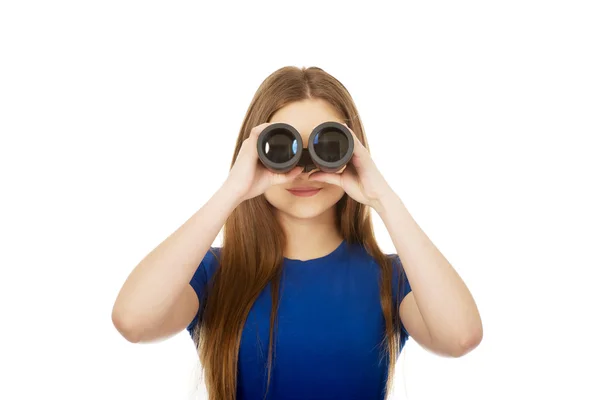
{"type": "Point", "coordinates": [305, 211]}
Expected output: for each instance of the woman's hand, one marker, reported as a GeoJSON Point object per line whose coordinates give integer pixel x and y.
{"type": "Point", "coordinates": [248, 177]}
{"type": "Point", "coordinates": [361, 180]}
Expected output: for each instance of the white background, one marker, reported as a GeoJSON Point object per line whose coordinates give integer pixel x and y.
{"type": "Point", "coordinates": [118, 121]}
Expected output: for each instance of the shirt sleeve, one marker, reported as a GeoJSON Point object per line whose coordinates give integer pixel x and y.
{"type": "Point", "coordinates": [402, 286]}
{"type": "Point", "coordinates": [200, 279]}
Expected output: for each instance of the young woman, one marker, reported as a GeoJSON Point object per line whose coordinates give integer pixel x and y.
{"type": "Point", "coordinates": [299, 302]}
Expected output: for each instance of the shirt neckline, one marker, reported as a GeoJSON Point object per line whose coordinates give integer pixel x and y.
{"type": "Point", "coordinates": [328, 257]}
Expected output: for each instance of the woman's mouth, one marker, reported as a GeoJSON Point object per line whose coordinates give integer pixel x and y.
{"type": "Point", "coordinates": [304, 192]}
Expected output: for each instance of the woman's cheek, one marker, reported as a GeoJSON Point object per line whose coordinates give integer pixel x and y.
{"type": "Point", "coordinates": [275, 195]}
{"type": "Point", "coordinates": [333, 193]}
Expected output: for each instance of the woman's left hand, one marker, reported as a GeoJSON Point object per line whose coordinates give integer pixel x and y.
{"type": "Point", "coordinates": [364, 183]}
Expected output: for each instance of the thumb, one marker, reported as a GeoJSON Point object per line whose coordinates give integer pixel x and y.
{"type": "Point", "coordinates": [295, 172]}
{"type": "Point", "coordinates": [288, 176]}
{"type": "Point", "coordinates": [326, 177]}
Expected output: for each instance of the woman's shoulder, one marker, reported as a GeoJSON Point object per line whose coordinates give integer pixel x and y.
{"type": "Point", "coordinates": [210, 261]}
{"type": "Point", "coordinates": [213, 253]}
{"type": "Point", "coordinates": [359, 253]}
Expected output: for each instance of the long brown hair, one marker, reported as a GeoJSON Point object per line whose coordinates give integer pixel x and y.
{"type": "Point", "coordinates": [253, 241]}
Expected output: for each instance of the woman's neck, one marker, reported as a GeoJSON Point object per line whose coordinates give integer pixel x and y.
{"type": "Point", "coordinates": [309, 238]}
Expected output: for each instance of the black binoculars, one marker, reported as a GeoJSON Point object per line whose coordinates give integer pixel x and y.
{"type": "Point", "coordinates": [330, 147]}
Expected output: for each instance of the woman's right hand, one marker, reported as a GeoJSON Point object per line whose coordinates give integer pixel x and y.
{"type": "Point", "coordinates": [248, 177]}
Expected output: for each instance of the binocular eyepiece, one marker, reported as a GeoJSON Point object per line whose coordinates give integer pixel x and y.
{"type": "Point", "coordinates": [330, 147]}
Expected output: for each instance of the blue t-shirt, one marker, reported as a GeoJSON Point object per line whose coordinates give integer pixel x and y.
{"type": "Point", "coordinates": [330, 326]}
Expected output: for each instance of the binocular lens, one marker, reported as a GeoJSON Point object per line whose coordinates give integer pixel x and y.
{"type": "Point", "coordinates": [280, 146]}
{"type": "Point", "coordinates": [330, 145]}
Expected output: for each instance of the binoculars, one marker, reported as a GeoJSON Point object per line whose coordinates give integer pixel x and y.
{"type": "Point", "coordinates": [330, 146]}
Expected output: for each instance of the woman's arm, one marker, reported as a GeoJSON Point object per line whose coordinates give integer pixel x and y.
{"type": "Point", "coordinates": [156, 300]}
{"type": "Point", "coordinates": [440, 313]}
